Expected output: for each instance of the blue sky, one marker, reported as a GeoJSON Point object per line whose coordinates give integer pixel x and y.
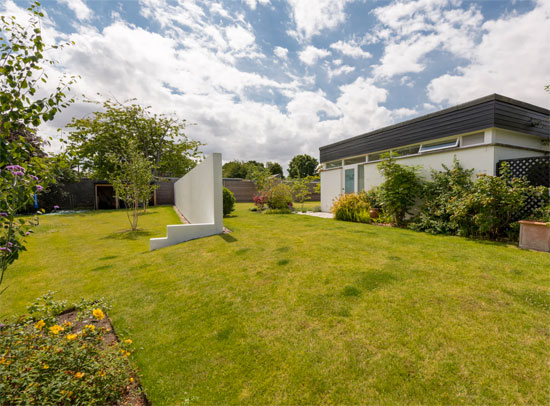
{"type": "Point", "coordinates": [268, 79]}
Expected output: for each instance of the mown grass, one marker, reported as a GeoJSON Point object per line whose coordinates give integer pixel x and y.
{"type": "Point", "coordinates": [294, 309]}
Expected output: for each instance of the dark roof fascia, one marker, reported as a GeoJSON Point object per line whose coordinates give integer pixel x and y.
{"type": "Point", "coordinates": [492, 97]}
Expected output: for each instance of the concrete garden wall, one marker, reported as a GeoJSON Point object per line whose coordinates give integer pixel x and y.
{"type": "Point", "coordinates": [198, 196]}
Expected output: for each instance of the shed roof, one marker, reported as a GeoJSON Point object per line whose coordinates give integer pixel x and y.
{"type": "Point", "coordinates": [486, 112]}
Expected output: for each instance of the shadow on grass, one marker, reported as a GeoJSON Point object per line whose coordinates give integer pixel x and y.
{"type": "Point", "coordinates": [101, 268]}
{"type": "Point", "coordinates": [228, 238]}
{"type": "Point", "coordinates": [108, 257]}
{"type": "Point", "coordinates": [127, 235]}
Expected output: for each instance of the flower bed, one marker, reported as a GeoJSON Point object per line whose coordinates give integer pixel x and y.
{"type": "Point", "coordinates": [68, 358]}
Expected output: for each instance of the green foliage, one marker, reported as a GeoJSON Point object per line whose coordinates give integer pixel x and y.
{"type": "Point", "coordinates": [300, 190]}
{"type": "Point", "coordinates": [352, 207]}
{"type": "Point", "coordinates": [542, 214]}
{"type": "Point", "coordinates": [494, 205]}
{"type": "Point", "coordinates": [279, 197]}
{"type": "Point", "coordinates": [302, 165]}
{"type": "Point", "coordinates": [44, 360]}
{"type": "Point", "coordinates": [132, 181]}
{"type": "Point", "coordinates": [261, 178]}
{"type": "Point", "coordinates": [159, 138]}
{"type": "Point", "coordinates": [400, 188]}
{"type": "Point", "coordinates": [275, 168]}
{"type": "Point", "coordinates": [241, 169]}
{"type": "Point", "coordinates": [56, 194]}
{"type": "Point", "coordinates": [440, 196]}
{"type": "Point", "coordinates": [22, 60]}
{"type": "Point", "coordinates": [228, 201]}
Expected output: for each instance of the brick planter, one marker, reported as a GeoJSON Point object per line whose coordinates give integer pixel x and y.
{"type": "Point", "coordinates": [534, 235]}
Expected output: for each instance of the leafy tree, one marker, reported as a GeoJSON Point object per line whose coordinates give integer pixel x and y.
{"type": "Point", "coordinates": [261, 177]}
{"type": "Point", "coordinates": [228, 201]}
{"type": "Point", "coordinates": [22, 63]}
{"type": "Point", "coordinates": [400, 188]}
{"type": "Point", "coordinates": [275, 168]}
{"type": "Point", "coordinates": [234, 169]}
{"type": "Point", "coordinates": [159, 138]}
{"type": "Point", "coordinates": [302, 165]}
{"type": "Point", "coordinates": [132, 181]}
{"type": "Point", "coordinates": [300, 190]}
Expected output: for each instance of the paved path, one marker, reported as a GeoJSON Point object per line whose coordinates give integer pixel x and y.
{"type": "Point", "coordinates": [317, 214]}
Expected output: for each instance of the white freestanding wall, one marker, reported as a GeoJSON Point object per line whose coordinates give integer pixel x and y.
{"type": "Point", "coordinates": [198, 196]}
{"type": "Point", "coordinates": [498, 145]}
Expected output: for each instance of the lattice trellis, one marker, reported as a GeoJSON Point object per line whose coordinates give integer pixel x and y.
{"type": "Point", "coordinates": [537, 172]}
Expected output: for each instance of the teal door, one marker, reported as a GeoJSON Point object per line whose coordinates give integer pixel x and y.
{"type": "Point", "coordinates": [349, 180]}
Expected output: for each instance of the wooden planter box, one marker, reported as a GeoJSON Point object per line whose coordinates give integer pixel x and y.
{"type": "Point", "coordinates": [534, 235]}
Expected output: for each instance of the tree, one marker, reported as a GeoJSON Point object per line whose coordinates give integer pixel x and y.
{"type": "Point", "coordinates": [300, 190]}
{"type": "Point", "coordinates": [275, 168]}
{"type": "Point", "coordinates": [132, 181]}
{"type": "Point", "coordinates": [159, 138]}
{"type": "Point", "coordinates": [21, 72]}
{"type": "Point", "coordinates": [234, 169]}
{"type": "Point", "coordinates": [302, 165]}
{"type": "Point", "coordinates": [400, 188]}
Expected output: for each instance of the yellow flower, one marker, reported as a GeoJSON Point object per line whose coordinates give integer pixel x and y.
{"type": "Point", "coordinates": [46, 366]}
{"type": "Point", "coordinates": [131, 380]}
{"type": "Point", "coordinates": [56, 329]}
{"type": "Point", "coordinates": [128, 341]}
{"type": "Point", "coordinates": [39, 324]}
{"type": "Point", "coordinates": [90, 327]}
{"type": "Point", "coordinates": [98, 314]}
{"type": "Point", "coordinates": [71, 336]}
{"type": "Point", "coordinates": [79, 375]}
{"type": "Point", "coordinates": [2, 360]}
{"type": "Point", "coordinates": [101, 373]}
{"type": "Point", "coordinates": [67, 324]}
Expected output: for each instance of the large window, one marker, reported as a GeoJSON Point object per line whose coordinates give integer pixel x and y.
{"type": "Point", "coordinates": [438, 145]}
{"type": "Point", "coordinates": [360, 178]}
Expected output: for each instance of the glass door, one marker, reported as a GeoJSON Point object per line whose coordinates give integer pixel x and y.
{"type": "Point", "coordinates": [349, 180]}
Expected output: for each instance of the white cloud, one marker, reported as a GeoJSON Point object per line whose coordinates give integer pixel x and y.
{"type": "Point", "coordinates": [313, 16]}
{"type": "Point", "coordinates": [80, 9]}
{"type": "Point", "coordinates": [252, 3]}
{"type": "Point", "coordinates": [239, 37]}
{"type": "Point", "coordinates": [310, 54]}
{"type": "Point", "coordinates": [350, 48]}
{"type": "Point", "coordinates": [411, 30]}
{"type": "Point", "coordinates": [341, 70]}
{"type": "Point", "coordinates": [281, 52]}
{"type": "Point", "coordinates": [512, 59]}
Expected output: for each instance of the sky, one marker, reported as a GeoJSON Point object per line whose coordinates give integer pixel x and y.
{"type": "Point", "coordinates": [266, 80]}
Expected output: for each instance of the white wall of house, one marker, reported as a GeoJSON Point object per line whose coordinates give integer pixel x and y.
{"type": "Point", "coordinates": [198, 196]}
{"type": "Point", "coordinates": [497, 145]}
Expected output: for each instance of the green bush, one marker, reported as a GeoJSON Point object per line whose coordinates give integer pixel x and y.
{"type": "Point", "coordinates": [48, 362]}
{"type": "Point", "coordinates": [228, 201]}
{"type": "Point", "coordinates": [440, 195]}
{"type": "Point", "coordinates": [352, 207]}
{"type": "Point", "coordinates": [400, 189]}
{"type": "Point", "coordinates": [279, 197]}
{"type": "Point", "coordinates": [494, 205]}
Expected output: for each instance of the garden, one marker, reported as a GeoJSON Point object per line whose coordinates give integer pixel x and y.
{"type": "Point", "coordinates": [296, 309]}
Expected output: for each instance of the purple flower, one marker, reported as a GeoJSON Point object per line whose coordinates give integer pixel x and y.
{"type": "Point", "coordinates": [5, 249]}
{"type": "Point", "coordinates": [28, 233]}
{"type": "Point", "coordinates": [19, 173]}
{"type": "Point", "coordinates": [34, 178]}
{"type": "Point", "coordinates": [56, 207]}
{"type": "Point", "coordinates": [10, 244]}
{"type": "Point", "coordinates": [39, 188]}
{"type": "Point", "coordinates": [3, 214]}
{"type": "Point", "coordinates": [15, 168]}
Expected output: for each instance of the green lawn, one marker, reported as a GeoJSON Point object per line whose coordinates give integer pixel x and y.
{"type": "Point", "coordinates": [300, 310]}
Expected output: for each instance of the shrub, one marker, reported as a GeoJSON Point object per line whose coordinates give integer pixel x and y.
{"type": "Point", "coordinates": [228, 201]}
{"type": "Point", "coordinates": [542, 214]}
{"type": "Point", "coordinates": [259, 201]}
{"type": "Point", "coordinates": [400, 188]}
{"type": "Point", "coordinates": [46, 361]}
{"type": "Point", "coordinates": [279, 196]}
{"type": "Point", "coordinates": [494, 205]}
{"type": "Point", "coordinates": [440, 195]}
{"type": "Point", "coordinates": [352, 207]}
